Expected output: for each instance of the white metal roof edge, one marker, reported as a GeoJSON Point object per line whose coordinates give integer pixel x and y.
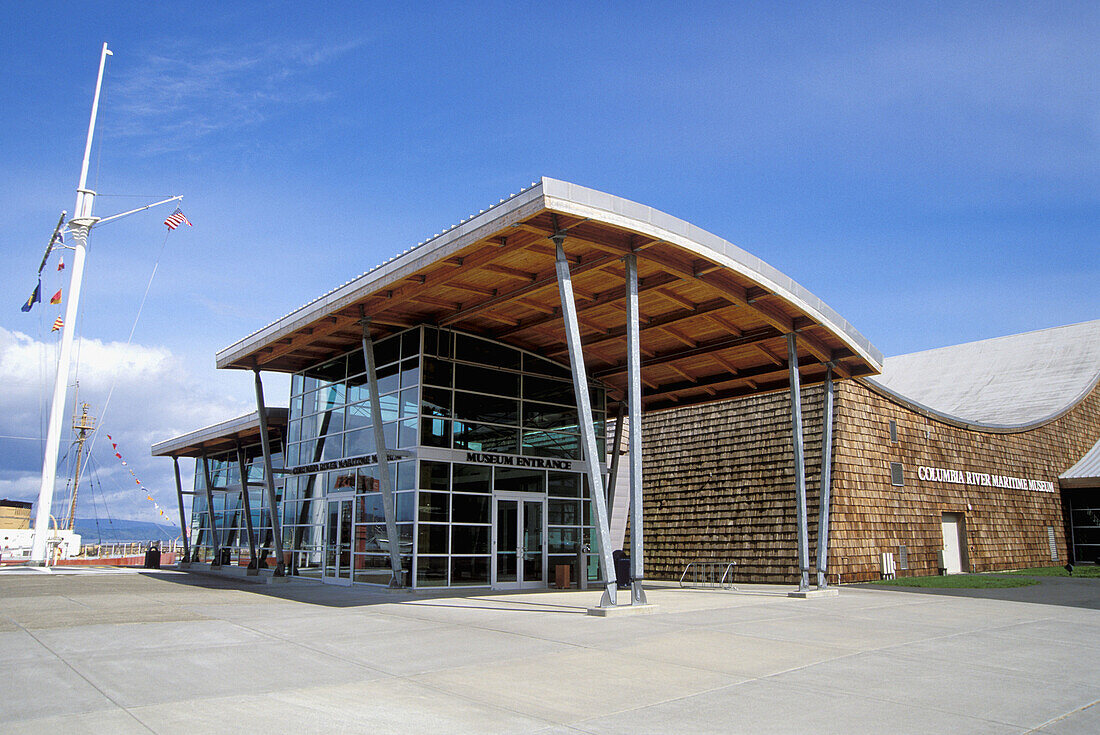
{"type": "Point", "coordinates": [215, 431]}
{"type": "Point", "coordinates": [981, 425]}
{"type": "Point", "coordinates": [571, 199]}
{"type": "Point", "coordinates": [1086, 471]}
{"type": "Point", "coordinates": [584, 202]}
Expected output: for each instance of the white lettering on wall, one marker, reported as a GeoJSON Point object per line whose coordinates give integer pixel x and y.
{"type": "Point", "coordinates": [984, 479]}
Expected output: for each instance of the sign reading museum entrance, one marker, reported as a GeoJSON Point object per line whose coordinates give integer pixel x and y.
{"type": "Point", "coordinates": [965, 477]}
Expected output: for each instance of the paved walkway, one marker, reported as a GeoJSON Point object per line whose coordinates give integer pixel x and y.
{"type": "Point", "coordinates": [170, 652]}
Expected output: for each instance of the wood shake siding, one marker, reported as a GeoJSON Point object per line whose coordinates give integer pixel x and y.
{"type": "Point", "coordinates": [719, 485]}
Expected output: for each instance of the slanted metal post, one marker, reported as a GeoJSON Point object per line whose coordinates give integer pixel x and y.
{"type": "Point", "coordinates": [384, 481]}
{"type": "Point", "coordinates": [584, 418]}
{"type": "Point", "coordinates": [183, 517]}
{"type": "Point", "coordinates": [634, 391]}
{"type": "Point", "coordinates": [217, 561]}
{"type": "Point", "coordinates": [826, 480]}
{"type": "Point", "coordinates": [269, 478]}
{"type": "Point", "coordinates": [246, 504]}
{"type": "Point", "coordinates": [613, 471]}
{"type": "Point", "coordinates": [799, 464]}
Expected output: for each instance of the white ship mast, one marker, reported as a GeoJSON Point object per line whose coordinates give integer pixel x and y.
{"type": "Point", "coordinates": [80, 225]}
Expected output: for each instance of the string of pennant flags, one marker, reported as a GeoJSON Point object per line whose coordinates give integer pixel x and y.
{"type": "Point", "coordinates": [147, 491]}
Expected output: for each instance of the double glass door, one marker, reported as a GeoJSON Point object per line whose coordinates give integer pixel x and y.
{"type": "Point", "coordinates": [519, 541]}
{"type": "Point", "coordinates": [338, 540]}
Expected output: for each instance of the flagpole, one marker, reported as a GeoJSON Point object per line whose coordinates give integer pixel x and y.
{"type": "Point", "coordinates": [80, 225]}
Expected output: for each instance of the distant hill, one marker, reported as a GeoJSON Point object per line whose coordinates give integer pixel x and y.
{"type": "Point", "coordinates": [120, 530]}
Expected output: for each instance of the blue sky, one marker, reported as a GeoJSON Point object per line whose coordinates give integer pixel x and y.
{"type": "Point", "coordinates": [930, 170]}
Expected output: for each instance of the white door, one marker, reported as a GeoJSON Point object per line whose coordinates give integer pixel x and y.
{"type": "Point", "coordinates": [519, 541]}
{"type": "Point", "coordinates": [954, 544]}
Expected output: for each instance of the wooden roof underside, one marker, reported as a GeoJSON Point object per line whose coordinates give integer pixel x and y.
{"type": "Point", "coordinates": [707, 332]}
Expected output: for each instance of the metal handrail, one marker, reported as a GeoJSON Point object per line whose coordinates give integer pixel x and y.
{"type": "Point", "coordinates": [705, 575]}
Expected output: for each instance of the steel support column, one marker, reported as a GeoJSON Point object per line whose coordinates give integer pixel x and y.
{"type": "Point", "coordinates": [246, 505]}
{"type": "Point", "coordinates": [183, 517]}
{"type": "Point", "coordinates": [384, 478]}
{"type": "Point", "coordinates": [584, 418]}
{"type": "Point", "coordinates": [634, 393]}
{"type": "Point", "coordinates": [207, 484]}
{"type": "Point", "coordinates": [826, 480]}
{"type": "Point", "coordinates": [799, 463]}
{"type": "Point", "coordinates": [269, 478]}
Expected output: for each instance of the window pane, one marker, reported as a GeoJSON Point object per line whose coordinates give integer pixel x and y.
{"type": "Point", "coordinates": [481, 351]}
{"type": "Point", "coordinates": [486, 380]}
{"type": "Point", "coordinates": [434, 507]}
{"type": "Point", "coordinates": [563, 512]}
{"type": "Point", "coordinates": [565, 484]}
{"type": "Point", "coordinates": [356, 364]}
{"type": "Point", "coordinates": [485, 438]}
{"type": "Point", "coordinates": [470, 508]}
{"type": "Point", "coordinates": [469, 570]}
{"type": "Point", "coordinates": [472, 478]}
{"type": "Point", "coordinates": [407, 433]}
{"type": "Point", "coordinates": [431, 571]}
{"type": "Point", "coordinates": [432, 538]}
{"type": "Point", "coordinates": [533, 481]}
{"type": "Point", "coordinates": [551, 444]}
{"type": "Point", "coordinates": [435, 433]}
{"type": "Point", "coordinates": [548, 416]}
{"type": "Point", "coordinates": [564, 540]}
{"type": "Point", "coordinates": [406, 475]}
{"type": "Point", "coordinates": [543, 389]}
{"type": "Point", "coordinates": [435, 402]}
{"type": "Point", "coordinates": [470, 407]}
{"type": "Point", "coordinates": [410, 373]}
{"type": "Point", "coordinates": [535, 364]}
{"type": "Point", "coordinates": [470, 539]}
{"type": "Point", "coordinates": [359, 442]}
{"type": "Point", "coordinates": [435, 475]}
{"type": "Point", "coordinates": [388, 379]}
{"type": "Point", "coordinates": [386, 350]}
{"type": "Point", "coordinates": [437, 372]}
{"type": "Point", "coordinates": [409, 402]}
{"type": "Point", "coordinates": [368, 509]}
{"type": "Point", "coordinates": [410, 343]}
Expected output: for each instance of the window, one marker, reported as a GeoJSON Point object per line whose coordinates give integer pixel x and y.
{"type": "Point", "coordinates": [894, 431]}
{"type": "Point", "coordinates": [897, 476]}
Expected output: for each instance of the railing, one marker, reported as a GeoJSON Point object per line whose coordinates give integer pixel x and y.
{"type": "Point", "coordinates": [708, 575]}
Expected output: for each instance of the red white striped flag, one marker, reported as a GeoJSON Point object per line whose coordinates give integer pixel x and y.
{"type": "Point", "coordinates": [176, 219]}
{"type": "Point", "coordinates": [57, 324]}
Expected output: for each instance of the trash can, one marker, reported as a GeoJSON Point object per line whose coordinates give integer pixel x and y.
{"type": "Point", "coordinates": [226, 557]}
{"type": "Point", "coordinates": [622, 568]}
{"type": "Point", "coordinates": [152, 557]}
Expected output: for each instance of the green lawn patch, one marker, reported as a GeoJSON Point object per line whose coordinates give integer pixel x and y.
{"type": "Point", "coordinates": [1085, 571]}
{"type": "Point", "coordinates": [959, 581]}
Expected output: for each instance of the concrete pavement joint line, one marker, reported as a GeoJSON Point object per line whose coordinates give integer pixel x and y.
{"type": "Point", "coordinates": [87, 680]}
{"type": "Point", "coordinates": [1059, 718]}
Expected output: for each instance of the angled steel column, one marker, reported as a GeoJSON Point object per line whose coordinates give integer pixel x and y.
{"type": "Point", "coordinates": [217, 560]}
{"type": "Point", "coordinates": [384, 481]}
{"type": "Point", "coordinates": [613, 471]}
{"type": "Point", "coordinates": [183, 517]}
{"type": "Point", "coordinates": [269, 478]}
{"type": "Point", "coordinates": [634, 390]}
{"type": "Point", "coordinates": [826, 480]}
{"type": "Point", "coordinates": [799, 464]}
{"type": "Point", "coordinates": [246, 505]}
{"type": "Point", "coordinates": [584, 418]}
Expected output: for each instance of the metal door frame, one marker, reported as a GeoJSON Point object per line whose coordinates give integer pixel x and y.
{"type": "Point", "coordinates": [520, 584]}
{"type": "Point", "coordinates": [328, 575]}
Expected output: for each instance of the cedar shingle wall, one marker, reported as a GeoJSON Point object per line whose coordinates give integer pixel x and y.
{"type": "Point", "coordinates": [719, 484]}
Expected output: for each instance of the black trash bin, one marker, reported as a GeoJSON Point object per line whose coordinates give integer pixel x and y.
{"type": "Point", "coordinates": [622, 569]}
{"type": "Point", "coordinates": [152, 557]}
{"type": "Point", "coordinates": [226, 557]}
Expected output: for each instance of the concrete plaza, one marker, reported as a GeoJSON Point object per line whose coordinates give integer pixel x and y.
{"type": "Point", "coordinates": [168, 652]}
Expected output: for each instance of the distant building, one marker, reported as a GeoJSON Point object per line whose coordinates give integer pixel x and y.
{"type": "Point", "coordinates": [15, 514]}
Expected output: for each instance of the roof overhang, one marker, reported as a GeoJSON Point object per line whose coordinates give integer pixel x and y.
{"type": "Point", "coordinates": [714, 317]}
{"type": "Point", "coordinates": [221, 437]}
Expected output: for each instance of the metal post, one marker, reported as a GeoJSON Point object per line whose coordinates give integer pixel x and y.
{"type": "Point", "coordinates": [799, 464]}
{"type": "Point", "coordinates": [216, 562]}
{"type": "Point", "coordinates": [616, 451]}
{"type": "Point", "coordinates": [826, 480]}
{"type": "Point", "coordinates": [269, 478]}
{"type": "Point", "coordinates": [384, 481]}
{"type": "Point", "coordinates": [183, 517]}
{"type": "Point", "coordinates": [634, 390]}
{"type": "Point", "coordinates": [80, 226]}
{"type": "Point", "coordinates": [246, 505]}
{"type": "Point", "coordinates": [584, 418]}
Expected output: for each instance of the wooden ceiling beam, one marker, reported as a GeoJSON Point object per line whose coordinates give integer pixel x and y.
{"type": "Point", "coordinates": [658, 322]}
{"type": "Point", "coordinates": [506, 270]}
{"type": "Point", "coordinates": [704, 348]}
{"type": "Point", "coordinates": [752, 375]}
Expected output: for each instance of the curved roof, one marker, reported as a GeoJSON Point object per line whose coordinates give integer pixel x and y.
{"type": "Point", "coordinates": [1006, 383]}
{"type": "Point", "coordinates": [714, 317]}
{"type": "Point", "coordinates": [222, 436]}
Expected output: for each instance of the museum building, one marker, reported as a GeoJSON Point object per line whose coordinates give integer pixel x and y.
{"type": "Point", "coordinates": [451, 409]}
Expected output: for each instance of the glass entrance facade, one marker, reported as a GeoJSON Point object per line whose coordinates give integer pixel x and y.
{"type": "Point", "coordinates": [484, 426]}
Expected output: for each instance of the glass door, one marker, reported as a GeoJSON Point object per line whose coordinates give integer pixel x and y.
{"type": "Point", "coordinates": [519, 541]}
{"type": "Point", "coordinates": [338, 541]}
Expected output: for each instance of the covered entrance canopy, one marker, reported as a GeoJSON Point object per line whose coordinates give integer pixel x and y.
{"type": "Point", "coordinates": [662, 313]}
{"type": "Point", "coordinates": [713, 317]}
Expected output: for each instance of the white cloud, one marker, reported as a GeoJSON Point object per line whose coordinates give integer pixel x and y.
{"type": "Point", "coordinates": [155, 397]}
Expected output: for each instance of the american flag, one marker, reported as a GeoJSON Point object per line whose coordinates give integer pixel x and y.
{"type": "Point", "coordinates": [57, 324]}
{"type": "Point", "coordinates": [175, 220]}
